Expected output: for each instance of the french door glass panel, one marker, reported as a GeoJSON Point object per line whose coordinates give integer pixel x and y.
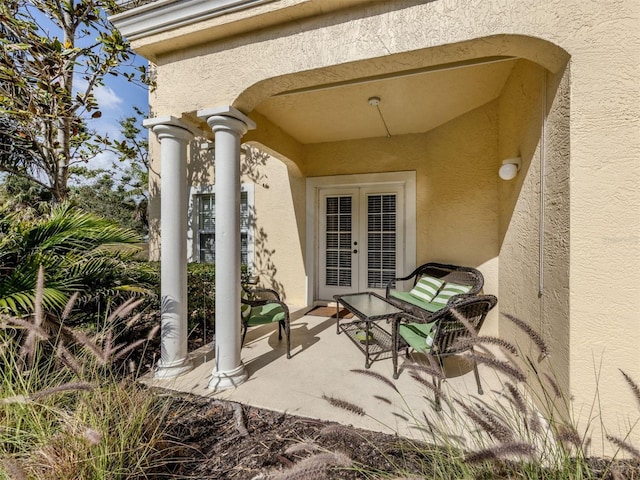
{"type": "Point", "coordinates": [381, 239]}
{"type": "Point", "coordinates": [338, 232]}
{"type": "Point", "coordinates": [360, 239]}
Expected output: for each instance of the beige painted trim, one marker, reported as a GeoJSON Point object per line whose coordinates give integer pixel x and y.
{"type": "Point", "coordinates": [315, 184]}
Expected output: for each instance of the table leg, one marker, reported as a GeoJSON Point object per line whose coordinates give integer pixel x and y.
{"type": "Point", "coordinates": [394, 345]}
{"type": "Point", "coordinates": [338, 317]}
{"type": "Point", "coordinates": [367, 362]}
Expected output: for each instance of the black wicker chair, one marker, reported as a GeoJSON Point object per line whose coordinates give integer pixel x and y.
{"type": "Point", "coordinates": [447, 273]}
{"type": "Point", "coordinates": [439, 336]}
{"type": "Point", "coordinates": [261, 306]}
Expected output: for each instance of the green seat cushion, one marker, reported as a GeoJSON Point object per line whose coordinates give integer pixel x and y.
{"type": "Point", "coordinates": [271, 312]}
{"type": "Point", "coordinates": [449, 290]}
{"type": "Point", "coordinates": [407, 297]}
{"type": "Point", "coordinates": [417, 335]}
{"type": "Point", "coordinates": [426, 288]}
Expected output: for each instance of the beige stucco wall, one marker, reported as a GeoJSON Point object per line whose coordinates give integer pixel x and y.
{"type": "Point", "coordinates": [538, 295]}
{"type": "Point", "coordinates": [457, 199]}
{"type": "Point", "coordinates": [598, 191]}
{"type": "Point", "coordinates": [279, 196]}
{"type": "Point", "coordinates": [279, 232]}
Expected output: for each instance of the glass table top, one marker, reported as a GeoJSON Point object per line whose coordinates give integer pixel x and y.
{"type": "Point", "coordinates": [368, 305]}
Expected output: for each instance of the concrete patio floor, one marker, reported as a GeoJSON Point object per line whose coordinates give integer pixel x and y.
{"type": "Point", "coordinates": [321, 366]}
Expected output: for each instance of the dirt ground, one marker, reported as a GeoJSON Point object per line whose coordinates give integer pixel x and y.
{"type": "Point", "coordinates": [220, 440]}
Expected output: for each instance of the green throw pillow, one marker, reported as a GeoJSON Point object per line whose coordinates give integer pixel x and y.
{"type": "Point", "coordinates": [448, 291]}
{"type": "Point", "coordinates": [426, 288]}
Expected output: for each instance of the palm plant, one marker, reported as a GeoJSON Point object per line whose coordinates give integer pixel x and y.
{"type": "Point", "coordinates": [79, 252]}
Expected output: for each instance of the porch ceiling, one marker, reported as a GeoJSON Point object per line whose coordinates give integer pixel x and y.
{"type": "Point", "coordinates": [413, 103]}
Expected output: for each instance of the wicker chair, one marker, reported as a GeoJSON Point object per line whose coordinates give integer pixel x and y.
{"type": "Point", "coordinates": [261, 306]}
{"type": "Point", "coordinates": [447, 273]}
{"type": "Point", "coordinates": [439, 336]}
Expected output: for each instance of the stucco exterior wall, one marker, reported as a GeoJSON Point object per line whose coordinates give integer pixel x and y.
{"type": "Point", "coordinates": [279, 233]}
{"type": "Point", "coordinates": [535, 292]}
{"type": "Point", "coordinates": [602, 299]}
{"type": "Point", "coordinates": [457, 199]}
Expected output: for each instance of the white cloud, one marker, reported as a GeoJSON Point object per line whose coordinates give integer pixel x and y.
{"type": "Point", "coordinates": [106, 97]}
{"type": "Point", "coordinates": [103, 160]}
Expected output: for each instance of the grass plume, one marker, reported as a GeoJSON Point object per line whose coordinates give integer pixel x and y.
{"type": "Point", "coordinates": [344, 405]}
{"type": "Point", "coordinates": [624, 446]}
{"type": "Point", "coordinates": [633, 385]}
{"type": "Point", "coordinates": [517, 449]}
{"type": "Point", "coordinates": [377, 376]}
{"type": "Point", "coordinates": [314, 467]}
{"type": "Point", "coordinates": [508, 368]}
{"type": "Point", "coordinates": [543, 349]}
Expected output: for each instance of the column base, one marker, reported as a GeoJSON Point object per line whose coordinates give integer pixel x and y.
{"type": "Point", "coordinates": [173, 369]}
{"type": "Point", "coordinates": [229, 379]}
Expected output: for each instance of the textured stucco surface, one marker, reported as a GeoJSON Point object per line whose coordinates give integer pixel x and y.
{"type": "Point", "coordinates": [521, 109]}
{"type": "Point", "coordinates": [592, 149]}
{"type": "Point", "coordinates": [457, 200]}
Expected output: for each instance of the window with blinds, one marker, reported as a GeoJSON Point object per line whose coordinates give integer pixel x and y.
{"type": "Point", "coordinates": [207, 228]}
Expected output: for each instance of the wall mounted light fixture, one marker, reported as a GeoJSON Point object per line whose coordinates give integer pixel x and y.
{"type": "Point", "coordinates": [510, 168]}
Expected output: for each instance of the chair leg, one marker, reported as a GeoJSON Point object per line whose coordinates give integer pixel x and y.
{"type": "Point", "coordinates": [244, 334]}
{"type": "Point", "coordinates": [287, 332]}
{"type": "Point", "coordinates": [477, 375]}
{"type": "Point", "coordinates": [475, 371]}
{"type": "Point", "coordinates": [280, 330]}
{"type": "Point", "coordinates": [395, 363]}
{"type": "Point", "coordinates": [437, 383]}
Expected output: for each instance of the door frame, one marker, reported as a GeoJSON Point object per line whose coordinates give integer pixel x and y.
{"type": "Point", "coordinates": [406, 179]}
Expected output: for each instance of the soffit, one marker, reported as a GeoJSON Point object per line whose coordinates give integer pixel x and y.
{"type": "Point", "coordinates": [409, 104]}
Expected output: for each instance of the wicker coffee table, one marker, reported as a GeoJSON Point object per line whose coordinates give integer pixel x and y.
{"type": "Point", "coordinates": [368, 307]}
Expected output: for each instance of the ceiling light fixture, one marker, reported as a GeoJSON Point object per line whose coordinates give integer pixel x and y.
{"type": "Point", "coordinates": [510, 168]}
{"type": "Point", "coordinates": [375, 102]}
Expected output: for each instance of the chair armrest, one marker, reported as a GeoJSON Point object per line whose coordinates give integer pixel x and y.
{"type": "Point", "coordinates": [460, 297]}
{"type": "Point", "coordinates": [263, 293]}
{"type": "Point", "coordinates": [401, 279]}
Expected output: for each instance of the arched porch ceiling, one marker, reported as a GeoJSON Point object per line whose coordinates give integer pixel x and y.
{"type": "Point", "coordinates": [412, 101]}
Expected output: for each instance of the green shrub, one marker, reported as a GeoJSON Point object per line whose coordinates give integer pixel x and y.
{"type": "Point", "coordinates": [80, 253]}
{"type": "Point", "coordinates": [201, 283]}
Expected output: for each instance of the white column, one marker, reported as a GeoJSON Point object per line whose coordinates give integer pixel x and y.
{"type": "Point", "coordinates": [228, 125]}
{"type": "Point", "coordinates": [173, 137]}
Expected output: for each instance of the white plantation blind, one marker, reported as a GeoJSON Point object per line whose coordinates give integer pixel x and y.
{"type": "Point", "coordinates": [338, 231]}
{"type": "Point", "coordinates": [207, 228]}
{"type": "Point", "coordinates": [381, 238]}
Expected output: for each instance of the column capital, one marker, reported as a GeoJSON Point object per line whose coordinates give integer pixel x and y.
{"type": "Point", "coordinates": [168, 127]}
{"type": "Point", "coordinates": [227, 118]}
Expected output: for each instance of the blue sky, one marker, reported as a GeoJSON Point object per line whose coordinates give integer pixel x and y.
{"type": "Point", "coordinates": [116, 98]}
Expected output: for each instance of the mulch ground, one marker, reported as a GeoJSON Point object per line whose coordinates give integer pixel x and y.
{"type": "Point", "coordinates": [213, 443]}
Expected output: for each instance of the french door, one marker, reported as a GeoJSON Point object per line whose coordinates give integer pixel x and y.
{"type": "Point", "coordinates": [361, 239]}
